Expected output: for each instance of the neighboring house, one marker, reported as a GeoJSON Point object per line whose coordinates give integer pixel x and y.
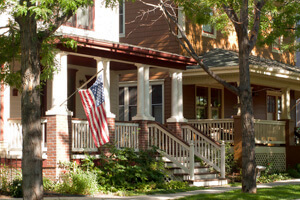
{"type": "Point", "coordinates": [274, 80]}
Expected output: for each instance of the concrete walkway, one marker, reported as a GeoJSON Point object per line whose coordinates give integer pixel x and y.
{"type": "Point", "coordinates": [213, 190]}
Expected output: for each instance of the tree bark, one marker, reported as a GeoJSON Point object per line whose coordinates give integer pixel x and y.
{"type": "Point", "coordinates": [30, 105]}
{"type": "Point", "coordinates": [247, 118]}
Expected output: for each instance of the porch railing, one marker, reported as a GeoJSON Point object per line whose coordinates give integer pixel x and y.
{"type": "Point", "coordinates": [217, 129]}
{"type": "Point", "coordinates": [127, 135]}
{"type": "Point", "coordinates": [173, 148]}
{"type": "Point", "coordinates": [271, 132]}
{"type": "Point", "coordinates": [82, 139]}
{"type": "Point", "coordinates": [205, 148]}
{"type": "Point", "coordinates": [15, 137]}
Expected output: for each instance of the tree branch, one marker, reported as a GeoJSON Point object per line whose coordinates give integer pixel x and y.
{"type": "Point", "coordinates": [256, 24]}
{"type": "Point", "coordinates": [232, 16]}
{"type": "Point", "coordinates": [189, 48]}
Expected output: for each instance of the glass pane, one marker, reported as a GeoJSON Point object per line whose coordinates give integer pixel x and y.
{"type": "Point", "coordinates": [132, 95]}
{"type": "Point", "coordinates": [157, 113]}
{"type": "Point", "coordinates": [207, 28]}
{"type": "Point", "coordinates": [271, 104]}
{"type": "Point", "coordinates": [201, 97]}
{"type": "Point", "coordinates": [156, 94]}
{"type": "Point", "coordinates": [132, 112]}
{"type": "Point", "coordinates": [121, 113]}
{"type": "Point", "coordinates": [121, 96]}
{"type": "Point", "coordinates": [83, 17]}
{"type": "Point", "coordinates": [121, 17]}
{"type": "Point", "coordinates": [215, 114]}
{"type": "Point", "coordinates": [201, 113]}
{"type": "Point", "coordinates": [216, 97]}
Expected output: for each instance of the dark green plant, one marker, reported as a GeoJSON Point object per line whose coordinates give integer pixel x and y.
{"type": "Point", "coordinates": [15, 188]}
{"type": "Point", "coordinates": [230, 163]}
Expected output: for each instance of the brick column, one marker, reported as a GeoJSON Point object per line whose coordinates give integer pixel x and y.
{"type": "Point", "coordinates": [175, 127]}
{"type": "Point", "coordinates": [111, 128]}
{"type": "Point", "coordinates": [143, 135]}
{"type": "Point", "coordinates": [238, 140]}
{"type": "Point", "coordinates": [59, 147]}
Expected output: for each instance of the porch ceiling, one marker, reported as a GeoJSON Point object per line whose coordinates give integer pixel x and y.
{"type": "Point", "coordinates": [128, 54]}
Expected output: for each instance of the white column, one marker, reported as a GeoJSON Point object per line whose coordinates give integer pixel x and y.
{"type": "Point", "coordinates": [147, 93]}
{"type": "Point", "coordinates": [6, 116]}
{"type": "Point", "coordinates": [60, 87]}
{"type": "Point", "coordinates": [176, 98]}
{"type": "Point", "coordinates": [140, 95]}
{"type": "Point", "coordinates": [105, 65]}
{"type": "Point", "coordinates": [285, 102]}
{"type": "Point", "coordinates": [180, 97]}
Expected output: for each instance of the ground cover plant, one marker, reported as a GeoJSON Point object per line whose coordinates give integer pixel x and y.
{"type": "Point", "coordinates": [280, 192]}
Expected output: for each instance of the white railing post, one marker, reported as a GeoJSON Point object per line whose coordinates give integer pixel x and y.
{"type": "Point", "coordinates": [223, 160]}
{"type": "Point", "coordinates": [192, 162]}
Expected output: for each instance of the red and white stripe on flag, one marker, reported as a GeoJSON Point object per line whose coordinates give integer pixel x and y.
{"type": "Point", "coordinates": [96, 117]}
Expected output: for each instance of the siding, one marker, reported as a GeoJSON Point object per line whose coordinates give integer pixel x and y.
{"type": "Point", "coordinates": [230, 104]}
{"type": "Point", "coordinates": [189, 101]}
{"type": "Point", "coordinates": [155, 36]}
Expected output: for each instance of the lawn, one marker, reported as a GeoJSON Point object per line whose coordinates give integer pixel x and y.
{"type": "Point", "coordinates": [280, 192]}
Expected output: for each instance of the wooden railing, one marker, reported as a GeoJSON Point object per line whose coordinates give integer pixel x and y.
{"type": "Point", "coordinates": [173, 148]}
{"type": "Point", "coordinates": [205, 148]}
{"type": "Point", "coordinates": [217, 129]}
{"type": "Point", "coordinates": [15, 137]}
{"type": "Point", "coordinates": [82, 139]}
{"type": "Point", "coordinates": [127, 135]}
{"type": "Point", "coordinates": [271, 132]}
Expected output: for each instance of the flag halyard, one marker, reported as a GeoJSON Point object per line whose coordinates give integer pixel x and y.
{"type": "Point", "coordinates": [94, 106]}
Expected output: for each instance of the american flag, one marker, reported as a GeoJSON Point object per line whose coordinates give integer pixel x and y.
{"type": "Point", "coordinates": [93, 103]}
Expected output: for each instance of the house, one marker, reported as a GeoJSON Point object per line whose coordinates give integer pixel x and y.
{"type": "Point", "coordinates": [156, 96]}
{"type": "Point", "coordinates": [210, 106]}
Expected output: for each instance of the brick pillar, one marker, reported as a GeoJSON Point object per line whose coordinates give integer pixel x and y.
{"type": "Point", "coordinates": [59, 149]}
{"type": "Point", "coordinates": [111, 128]}
{"type": "Point", "coordinates": [238, 140]}
{"type": "Point", "coordinates": [175, 127]}
{"type": "Point", "coordinates": [143, 135]}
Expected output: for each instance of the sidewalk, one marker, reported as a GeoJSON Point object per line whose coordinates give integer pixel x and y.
{"type": "Point", "coordinates": [176, 195]}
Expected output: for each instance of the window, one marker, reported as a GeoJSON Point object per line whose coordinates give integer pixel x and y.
{"type": "Point", "coordinates": [84, 18]}
{"type": "Point", "coordinates": [122, 18]}
{"type": "Point", "coordinates": [273, 105]}
{"type": "Point", "coordinates": [208, 103]}
{"type": "Point", "coordinates": [128, 102]}
{"type": "Point", "coordinates": [276, 45]}
{"type": "Point", "coordinates": [209, 30]}
{"type": "Point", "coordinates": [181, 20]}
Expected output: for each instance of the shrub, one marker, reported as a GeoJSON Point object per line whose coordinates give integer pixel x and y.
{"type": "Point", "coordinates": [15, 188]}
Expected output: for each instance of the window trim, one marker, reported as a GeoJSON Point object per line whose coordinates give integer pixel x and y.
{"type": "Point", "coordinates": [277, 95]}
{"type": "Point", "coordinates": [122, 34]}
{"type": "Point", "coordinates": [210, 35]}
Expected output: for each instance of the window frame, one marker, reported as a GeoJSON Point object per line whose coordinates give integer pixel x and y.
{"type": "Point", "coordinates": [277, 95]}
{"type": "Point", "coordinates": [128, 84]}
{"type": "Point", "coordinates": [122, 34]}
{"type": "Point", "coordinates": [212, 34]}
{"type": "Point", "coordinates": [276, 47]}
{"type": "Point", "coordinates": [74, 23]}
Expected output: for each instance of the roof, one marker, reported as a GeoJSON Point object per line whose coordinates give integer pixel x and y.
{"type": "Point", "coordinates": [127, 53]}
{"type": "Point", "coordinates": [225, 58]}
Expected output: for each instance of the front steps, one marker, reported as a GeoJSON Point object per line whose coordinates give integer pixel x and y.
{"type": "Point", "coordinates": [204, 176]}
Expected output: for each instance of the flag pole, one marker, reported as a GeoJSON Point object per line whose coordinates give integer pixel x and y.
{"type": "Point", "coordinates": [81, 86]}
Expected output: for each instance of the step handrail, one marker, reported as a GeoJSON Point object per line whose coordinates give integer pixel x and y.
{"type": "Point", "coordinates": [206, 148]}
{"type": "Point", "coordinates": [172, 147]}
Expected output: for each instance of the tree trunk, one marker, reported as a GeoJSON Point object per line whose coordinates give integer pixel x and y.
{"type": "Point", "coordinates": [30, 105]}
{"type": "Point", "coordinates": [247, 118]}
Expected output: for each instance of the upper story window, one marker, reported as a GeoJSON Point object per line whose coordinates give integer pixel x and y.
{"type": "Point", "coordinates": [276, 45]}
{"type": "Point", "coordinates": [84, 18]}
{"type": "Point", "coordinates": [181, 20]}
{"type": "Point", "coordinates": [122, 18]}
{"type": "Point", "coordinates": [209, 30]}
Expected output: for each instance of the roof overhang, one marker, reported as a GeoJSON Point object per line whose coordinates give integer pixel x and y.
{"type": "Point", "coordinates": [129, 54]}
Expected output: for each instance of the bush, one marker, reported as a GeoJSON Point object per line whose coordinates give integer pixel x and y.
{"type": "Point", "coordinates": [15, 188]}
{"type": "Point", "coordinates": [269, 178]}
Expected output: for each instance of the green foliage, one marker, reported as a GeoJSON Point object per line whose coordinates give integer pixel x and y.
{"type": "Point", "coordinates": [15, 188]}
{"type": "Point", "coordinates": [48, 184]}
{"type": "Point", "coordinates": [269, 178]}
{"type": "Point", "coordinates": [126, 169]}
{"type": "Point", "coordinates": [295, 173]}
{"type": "Point", "coordinates": [230, 163]}
{"type": "Point", "coordinates": [10, 187]}
{"type": "Point", "coordinates": [77, 181]}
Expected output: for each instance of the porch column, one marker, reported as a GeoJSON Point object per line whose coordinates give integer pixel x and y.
{"type": "Point", "coordinates": [4, 116]}
{"type": "Point", "coordinates": [286, 102]}
{"type": "Point", "coordinates": [105, 65]}
{"type": "Point", "coordinates": [60, 87]}
{"type": "Point", "coordinates": [59, 137]}
{"type": "Point", "coordinates": [176, 99]}
{"type": "Point", "coordinates": [143, 94]}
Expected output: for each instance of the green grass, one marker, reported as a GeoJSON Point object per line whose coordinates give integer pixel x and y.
{"type": "Point", "coordinates": [280, 192]}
